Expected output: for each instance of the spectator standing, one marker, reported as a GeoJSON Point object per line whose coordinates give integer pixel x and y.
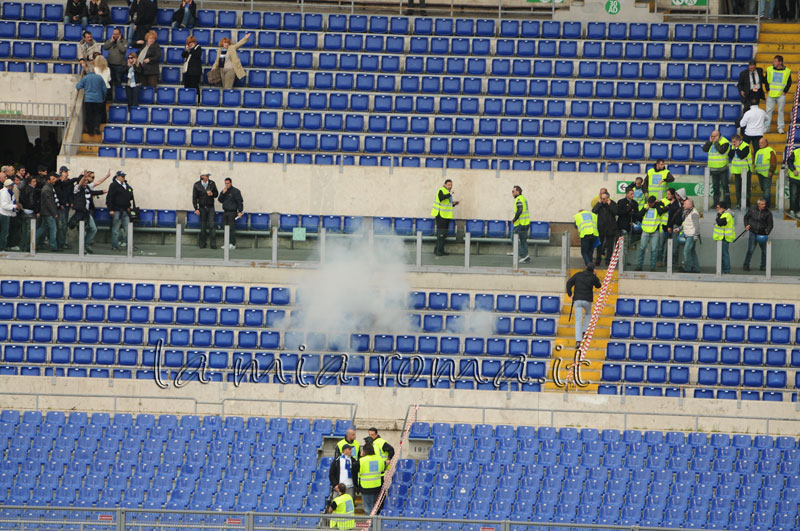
{"type": "Point", "coordinates": [116, 47]}
{"type": "Point", "coordinates": [232, 208]}
{"type": "Point", "coordinates": [655, 183]}
{"type": "Point", "coordinates": [370, 477]}
{"type": "Point", "coordinates": [671, 220]}
{"type": "Point", "coordinates": [724, 231]}
{"type": "Point", "coordinates": [766, 163]}
{"type": "Point", "coordinates": [741, 165]}
{"type": "Point", "coordinates": [650, 216]}
{"type": "Point", "coordinates": [349, 438]}
{"type": "Point", "coordinates": [132, 81]}
{"type": "Point", "coordinates": [752, 124]}
{"type": "Point", "coordinates": [228, 61]}
{"type": "Point", "coordinates": [606, 212]}
{"type": "Point", "coordinates": [143, 16]}
{"type": "Point", "coordinates": [102, 70]}
{"type": "Point", "coordinates": [383, 449]}
{"type": "Point", "coordinates": [94, 97]}
{"type": "Point", "coordinates": [779, 79]}
{"type": "Point", "coordinates": [8, 210]}
{"type": "Point", "coordinates": [149, 58]}
{"type": "Point", "coordinates": [793, 171]}
{"type": "Point", "coordinates": [757, 221]}
{"type": "Point", "coordinates": [691, 231]}
{"type": "Point", "coordinates": [522, 224]}
{"type": "Point", "coordinates": [118, 203]}
{"type": "Point", "coordinates": [586, 222]}
{"type": "Point", "coordinates": [344, 470]}
{"type": "Point", "coordinates": [751, 85]}
{"type": "Point", "coordinates": [64, 187]}
{"type": "Point", "coordinates": [717, 148]}
{"type": "Point", "coordinates": [83, 204]}
{"type": "Point", "coordinates": [442, 213]}
{"type": "Point", "coordinates": [627, 213]}
{"type": "Point", "coordinates": [48, 214]}
{"type": "Point", "coordinates": [344, 507]}
{"type": "Point", "coordinates": [596, 199]}
{"type": "Point", "coordinates": [99, 12]}
{"type": "Point", "coordinates": [186, 15]}
{"type": "Point", "coordinates": [26, 194]}
{"type": "Point", "coordinates": [580, 287]}
{"type": "Point", "coordinates": [204, 192]}
{"type": "Point", "coordinates": [192, 64]}
{"type": "Point", "coordinates": [637, 186]}
{"type": "Point", "coordinates": [88, 49]}
{"type": "Point", "coordinates": [76, 12]}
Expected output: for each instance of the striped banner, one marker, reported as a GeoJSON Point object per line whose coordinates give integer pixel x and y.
{"type": "Point", "coordinates": [597, 309]}
{"type": "Point", "coordinates": [792, 127]}
{"type": "Point", "coordinates": [387, 475]}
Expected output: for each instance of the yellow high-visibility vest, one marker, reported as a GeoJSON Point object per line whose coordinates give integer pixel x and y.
{"type": "Point", "coordinates": [656, 182]}
{"type": "Point", "coordinates": [525, 217]}
{"type": "Point", "coordinates": [443, 208]}
{"type": "Point", "coordinates": [354, 444]}
{"type": "Point", "coordinates": [795, 174]}
{"type": "Point", "coordinates": [777, 80]}
{"type": "Point", "coordinates": [727, 233]}
{"type": "Point", "coordinates": [652, 221]}
{"type": "Point", "coordinates": [763, 158]}
{"type": "Point", "coordinates": [717, 160]}
{"type": "Point", "coordinates": [587, 223]}
{"type": "Point", "coordinates": [739, 166]}
{"type": "Point", "coordinates": [370, 470]}
{"type": "Point", "coordinates": [344, 507]}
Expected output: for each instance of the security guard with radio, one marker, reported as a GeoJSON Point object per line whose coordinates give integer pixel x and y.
{"type": "Point", "coordinates": [779, 79]}
{"type": "Point", "coordinates": [717, 148]}
{"type": "Point", "coordinates": [725, 232]}
{"type": "Point", "coordinates": [349, 438]}
{"type": "Point", "coordinates": [522, 224]}
{"type": "Point", "coordinates": [740, 166]}
{"type": "Point", "coordinates": [442, 214]}
{"type": "Point", "coordinates": [383, 449]}
{"type": "Point", "coordinates": [652, 219]}
{"type": "Point", "coordinates": [765, 164]}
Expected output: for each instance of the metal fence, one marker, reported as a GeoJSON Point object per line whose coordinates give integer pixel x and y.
{"type": "Point", "coordinates": [29, 518]}
{"type": "Point", "coordinates": [27, 113]}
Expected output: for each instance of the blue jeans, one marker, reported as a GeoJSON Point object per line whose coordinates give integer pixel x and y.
{"type": "Point", "coordinates": [47, 225]}
{"type": "Point", "coordinates": [583, 314]}
{"type": "Point", "coordinates": [84, 21]}
{"type": "Point", "coordinates": [726, 257]}
{"type": "Point", "coordinates": [649, 239]}
{"type": "Point", "coordinates": [61, 226]}
{"type": "Point", "coordinates": [368, 502]}
{"type": "Point", "coordinates": [794, 195]}
{"type": "Point", "coordinates": [119, 228]}
{"type": "Point", "coordinates": [765, 183]}
{"type": "Point", "coordinates": [751, 247]}
{"type": "Point", "coordinates": [187, 21]}
{"type": "Point", "coordinates": [522, 231]}
{"type": "Point", "coordinates": [691, 263]}
{"type": "Point", "coordinates": [91, 230]}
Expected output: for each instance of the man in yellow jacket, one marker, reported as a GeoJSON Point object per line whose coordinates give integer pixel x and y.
{"type": "Point", "coordinates": [443, 214]}
{"type": "Point", "coordinates": [725, 232]}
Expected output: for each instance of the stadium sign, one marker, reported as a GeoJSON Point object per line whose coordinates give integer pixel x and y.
{"type": "Point", "coordinates": [613, 7]}
{"type": "Point", "coordinates": [690, 3]}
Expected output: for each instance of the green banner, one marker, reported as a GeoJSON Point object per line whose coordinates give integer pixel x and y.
{"type": "Point", "coordinates": [548, 1]}
{"type": "Point", "coordinates": [688, 189]}
{"type": "Point", "coordinates": [690, 3]}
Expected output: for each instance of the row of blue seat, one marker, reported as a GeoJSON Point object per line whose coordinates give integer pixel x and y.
{"type": "Point", "coordinates": [717, 310]}
{"type": "Point", "coordinates": [721, 394]}
{"type": "Point", "coordinates": [711, 332]}
{"type": "Point", "coordinates": [387, 161]}
{"type": "Point", "coordinates": [706, 376]}
{"type": "Point", "coordinates": [682, 353]}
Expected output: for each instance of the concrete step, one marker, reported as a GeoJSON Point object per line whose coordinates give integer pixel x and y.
{"type": "Point", "coordinates": [768, 28]}
{"type": "Point", "coordinates": [607, 311]}
{"type": "Point", "coordinates": [567, 331]}
{"type": "Point", "coordinates": [778, 48]}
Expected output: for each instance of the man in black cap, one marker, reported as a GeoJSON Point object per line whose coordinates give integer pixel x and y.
{"type": "Point", "coordinates": [118, 202]}
{"type": "Point", "coordinates": [344, 469]}
{"type": "Point", "coordinates": [204, 192]}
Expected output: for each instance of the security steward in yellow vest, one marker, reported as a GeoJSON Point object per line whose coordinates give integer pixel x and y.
{"type": "Point", "coordinates": [637, 185]}
{"type": "Point", "coordinates": [765, 164]}
{"type": "Point", "coordinates": [717, 148]}
{"type": "Point", "coordinates": [587, 231]}
{"type": "Point", "coordinates": [349, 438]}
{"type": "Point", "coordinates": [383, 449]}
{"type": "Point", "coordinates": [343, 507]}
{"type": "Point", "coordinates": [793, 171]}
{"type": "Point", "coordinates": [740, 164]}
{"type": "Point", "coordinates": [655, 183]}
{"type": "Point", "coordinates": [651, 217]}
{"type": "Point", "coordinates": [779, 79]}
{"type": "Point", "coordinates": [370, 477]}
{"type": "Point", "coordinates": [442, 214]}
{"type": "Point", "coordinates": [725, 232]}
{"type": "Point", "coordinates": [522, 224]}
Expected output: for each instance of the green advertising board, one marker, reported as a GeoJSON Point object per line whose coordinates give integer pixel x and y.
{"type": "Point", "coordinates": [691, 189]}
{"type": "Point", "coordinates": [690, 3]}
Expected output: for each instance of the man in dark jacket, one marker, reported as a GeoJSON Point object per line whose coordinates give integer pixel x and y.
{"type": "Point", "coordinates": [117, 47]}
{"type": "Point", "coordinates": [143, 16]}
{"type": "Point", "coordinates": [751, 84]}
{"type": "Point", "coordinates": [606, 210]}
{"type": "Point", "coordinates": [118, 202]}
{"type": "Point", "coordinates": [674, 208]}
{"type": "Point", "coordinates": [583, 284]}
{"type": "Point", "coordinates": [64, 188]}
{"type": "Point", "coordinates": [232, 208]}
{"type": "Point", "coordinates": [204, 192]}
{"type": "Point", "coordinates": [758, 222]}
{"type": "Point", "coordinates": [83, 204]}
{"type": "Point", "coordinates": [186, 15]}
{"type": "Point", "coordinates": [76, 12]}
{"type": "Point", "coordinates": [48, 214]}
{"type": "Point", "coordinates": [344, 469]}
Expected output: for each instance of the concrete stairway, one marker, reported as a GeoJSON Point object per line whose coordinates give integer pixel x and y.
{"type": "Point", "coordinates": [564, 350]}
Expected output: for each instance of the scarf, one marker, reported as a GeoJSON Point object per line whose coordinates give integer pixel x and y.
{"type": "Point", "coordinates": [142, 54]}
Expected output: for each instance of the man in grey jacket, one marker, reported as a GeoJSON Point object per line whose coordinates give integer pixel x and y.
{"type": "Point", "coordinates": [117, 47]}
{"type": "Point", "coordinates": [691, 230]}
{"type": "Point", "coordinates": [48, 213]}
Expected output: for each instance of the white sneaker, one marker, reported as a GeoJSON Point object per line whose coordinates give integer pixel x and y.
{"type": "Point", "coordinates": [509, 254]}
{"type": "Point", "coordinates": [231, 246]}
{"type": "Point", "coordinates": [526, 259]}
{"type": "Point", "coordinates": [15, 248]}
{"type": "Point", "coordinates": [781, 130]}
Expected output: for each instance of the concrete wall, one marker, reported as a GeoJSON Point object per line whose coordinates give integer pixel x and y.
{"type": "Point", "coordinates": [38, 88]}
{"type": "Point", "coordinates": [357, 190]}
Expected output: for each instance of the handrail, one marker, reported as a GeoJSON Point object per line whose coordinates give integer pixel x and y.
{"type": "Point", "coordinates": [33, 113]}
{"type": "Point", "coordinates": [41, 395]}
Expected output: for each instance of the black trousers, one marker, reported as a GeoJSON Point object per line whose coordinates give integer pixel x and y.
{"type": "Point", "coordinates": [207, 227]}
{"type": "Point", "coordinates": [94, 115]}
{"type": "Point", "coordinates": [192, 81]}
{"type": "Point", "coordinates": [229, 217]}
{"type": "Point", "coordinates": [606, 248]}
{"type": "Point", "coordinates": [442, 228]}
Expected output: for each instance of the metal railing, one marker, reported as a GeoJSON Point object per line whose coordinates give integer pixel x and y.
{"type": "Point", "coordinates": [135, 519]}
{"type": "Point", "coordinates": [553, 411]}
{"type": "Point", "coordinates": [29, 113]}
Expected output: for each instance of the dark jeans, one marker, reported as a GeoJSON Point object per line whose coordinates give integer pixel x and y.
{"type": "Point", "coordinates": [721, 184]}
{"type": "Point", "coordinates": [607, 243]}
{"type": "Point", "coordinates": [587, 247]}
{"type": "Point", "coordinates": [229, 218]}
{"type": "Point", "coordinates": [61, 226]}
{"type": "Point", "coordinates": [741, 182]}
{"type": "Point", "coordinates": [726, 256]}
{"type": "Point", "coordinates": [794, 194]}
{"type": "Point", "coordinates": [94, 115]}
{"type": "Point", "coordinates": [751, 247]}
{"type": "Point", "coordinates": [207, 227]}
{"type": "Point", "coordinates": [522, 232]}
{"type": "Point", "coordinates": [192, 81]}
{"type": "Point", "coordinates": [5, 223]}
{"type": "Point", "coordinates": [752, 141]}
{"type": "Point", "coordinates": [117, 74]}
{"type": "Point", "coordinates": [24, 232]}
{"type": "Point", "coordinates": [47, 226]}
{"type": "Point", "coordinates": [442, 228]}
{"type": "Point", "coordinates": [132, 96]}
{"type": "Point", "coordinates": [765, 182]}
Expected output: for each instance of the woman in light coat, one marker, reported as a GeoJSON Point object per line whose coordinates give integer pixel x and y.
{"type": "Point", "coordinates": [228, 61]}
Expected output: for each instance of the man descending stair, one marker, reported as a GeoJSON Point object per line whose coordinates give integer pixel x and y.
{"type": "Point", "coordinates": [583, 284]}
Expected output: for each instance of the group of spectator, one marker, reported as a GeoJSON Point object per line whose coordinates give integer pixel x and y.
{"type": "Point", "coordinates": [59, 202]}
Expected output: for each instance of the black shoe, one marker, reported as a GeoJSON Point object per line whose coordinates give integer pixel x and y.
{"type": "Point", "coordinates": [445, 253]}
{"type": "Point", "coordinates": [202, 246]}
{"type": "Point", "coordinates": [762, 268]}
{"type": "Point", "coordinates": [113, 248]}
{"type": "Point", "coordinates": [88, 250]}
{"type": "Point", "coordinates": [746, 267]}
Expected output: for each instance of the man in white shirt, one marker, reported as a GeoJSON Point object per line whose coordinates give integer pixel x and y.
{"type": "Point", "coordinates": [8, 210]}
{"type": "Point", "coordinates": [752, 124]}
{"type": "Point", "coordinates": [344, 469]}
